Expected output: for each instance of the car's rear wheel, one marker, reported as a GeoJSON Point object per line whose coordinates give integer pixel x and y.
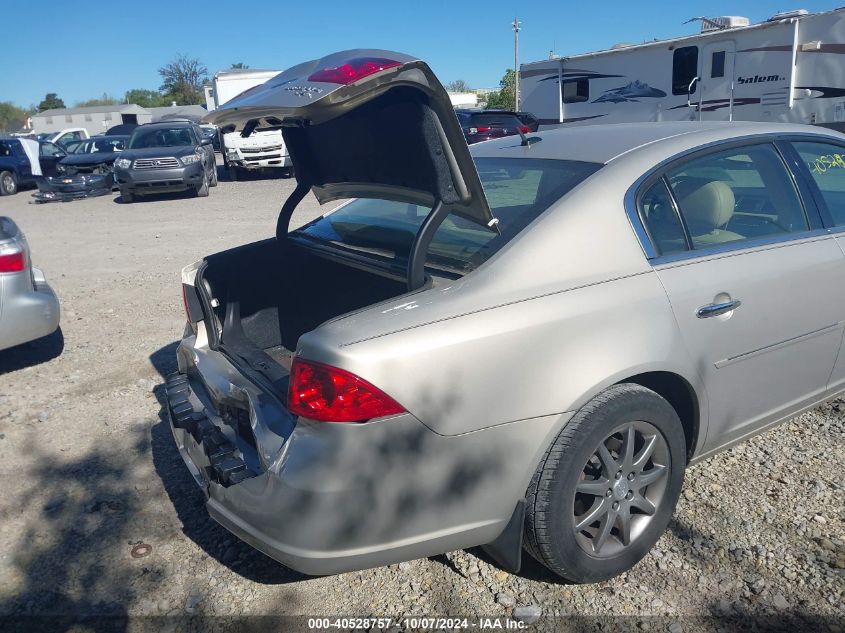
{"type": "Point", "coordinates": [202, 190]}
{"type": "Point", "coordinates": [213, 181]}
{"type": "Point", "coordinates": [8, 183]}
{"type": "Point", "coordinates": [127, 196]}
{"type": "Point", "coordinates": [607, 487]}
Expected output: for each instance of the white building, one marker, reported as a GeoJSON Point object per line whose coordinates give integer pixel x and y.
{"type": "Point", "coordinates": [95, 119]}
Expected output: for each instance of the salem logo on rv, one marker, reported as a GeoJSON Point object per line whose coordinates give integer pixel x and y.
{"type": "Point", "coordinates": [756, 79]}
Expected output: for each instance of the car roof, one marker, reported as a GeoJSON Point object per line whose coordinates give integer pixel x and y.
{"type": "Point", "coordinates": [602, 143]}
{"type": "Point", "coordinates": [166, 124]}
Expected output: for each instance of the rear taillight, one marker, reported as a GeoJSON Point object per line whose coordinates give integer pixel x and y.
{"type": "Point", "coordinates": [12, 261]}
{"type": "Point", "coordinates": [185, 302]}
{"type": "Point", "coordinates": [353, 70]}
{"type": "Point", "coordinates": [524, 129]}
{"type": "Point", "coordinates": [481, 129]}
{"type": "Point", "coordinates": [328, 394]}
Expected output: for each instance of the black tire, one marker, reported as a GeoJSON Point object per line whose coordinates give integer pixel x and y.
{"type": "Point", "coordinates": [233, 173]}
{"type": "Point", "coordinates": [126, 196]}
{"type": "Point", "coordinates": [552, 501]}
{"type": "Point", "coordinates": [213, 181]}
{"type": "Point", "coordinates": [202, 190]}
{"type": "Point", "coordinates": [8, 183]}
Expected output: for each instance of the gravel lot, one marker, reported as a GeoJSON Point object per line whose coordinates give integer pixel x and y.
{"type": "Point", "coordinates": [90, 471]}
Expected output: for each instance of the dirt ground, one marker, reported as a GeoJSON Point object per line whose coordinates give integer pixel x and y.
{"type": "Point", "coordinates": [91, 474]}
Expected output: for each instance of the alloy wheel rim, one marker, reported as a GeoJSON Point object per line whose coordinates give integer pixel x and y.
{"type": "Point", "coordinates": [620, 489]}
{"type": "Point", "coordinates": [8, 183]}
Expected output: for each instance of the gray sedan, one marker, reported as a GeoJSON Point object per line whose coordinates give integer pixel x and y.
{"type": "Point", "coordinates": [522, 346]}
{"type": "Point", "coordinates": [29, 308]}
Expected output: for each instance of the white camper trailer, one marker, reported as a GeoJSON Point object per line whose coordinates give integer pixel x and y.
{"type": "Point", "coordinates": [790, 68]}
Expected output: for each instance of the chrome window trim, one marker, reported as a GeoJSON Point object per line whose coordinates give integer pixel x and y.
{"type": "Point", "coordinates": [733, 248]}
{"type": "Point", "coordinates": [632, 196]}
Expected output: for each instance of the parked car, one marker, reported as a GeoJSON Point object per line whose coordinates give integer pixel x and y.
{"type": "Point", "coordinates": [65, 136]}
{"type": "Point", "coordinates": [483, 125]}
{"type": "Point", "coordinates": [521, 345]}
{"type": "Point", "coordinates": [167, 156]}
{"type": "Point", "coordinates": [213, 134]}
{"type": "Point", "coordinates": [29, 309]}
{"type": "Point", "coordinates": [87, 172]}
{"type": "Point", "coordinates": [531, 122]}
{"type": "Point", "coordinates": [121, 129]}
{"type": "Point", "coordinates": [22, 161]}
{"type": "Point", "coordinates": [71, 146]}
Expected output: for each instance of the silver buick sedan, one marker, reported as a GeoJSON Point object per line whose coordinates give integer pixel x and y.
{"type": "Point", "coordinates": [522, 346]}
{"type": "Point", "coordinates": [29, 309]}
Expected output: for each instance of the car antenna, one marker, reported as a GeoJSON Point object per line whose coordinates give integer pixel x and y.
{"type": "Point", "coordinates": [528, 140]}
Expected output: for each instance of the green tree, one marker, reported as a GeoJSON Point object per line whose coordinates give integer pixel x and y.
{"type": "Point", "coordinates": [239, 66]}
{"type": "Point", "coordinates": [504, 98]}
{"type": "Point", "coordinates": [106, 99]}
{"type": "Point", "coordinates": [182, 80]}
{"type": "Point", "coordinates": [12, 118]}
{"type": "Point", "coordinates": [146, 98]}
{"type": "Point", "coordinates": [459, 85]}
{"type": "Point", "coordinates": [50, 101]}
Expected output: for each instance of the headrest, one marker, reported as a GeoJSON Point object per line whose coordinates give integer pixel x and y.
{"type": "Point", "coordinates": [710, 204]}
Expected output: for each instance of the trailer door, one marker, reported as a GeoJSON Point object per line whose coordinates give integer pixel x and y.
{"type": "Point", "coordinates": [718, 68]}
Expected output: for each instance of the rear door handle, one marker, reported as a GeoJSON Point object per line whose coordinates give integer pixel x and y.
{"type": "Point", "coordinates": [715, 309]}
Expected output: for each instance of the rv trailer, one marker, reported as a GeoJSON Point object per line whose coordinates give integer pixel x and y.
{"type": "Point", "coordinates": [790, 68]}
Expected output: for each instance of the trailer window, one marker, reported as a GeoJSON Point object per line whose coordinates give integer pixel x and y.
{"type": "Point", "coordinates": [717, 64]}
{"type": "Point", "coordinates": [576, 91]}
{"type": "Point", "coordinates": [684, 69]}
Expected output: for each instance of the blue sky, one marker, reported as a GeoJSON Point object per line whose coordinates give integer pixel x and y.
{"type": "Point", "coordinates": [82, 49]}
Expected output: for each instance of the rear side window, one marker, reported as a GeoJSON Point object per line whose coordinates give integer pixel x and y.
{"type": "Point", "coordinates": [827, 167]}
{"type": "Point", "coordinates": [736, 195]}
{"type": "Point", "coordinates": [518, 190]}
{"type": "Point", "coordinates": [684, 69]}
{"type": "Point", "coordinates": [660, 218]}
{"type": "Point", "coordinates": [5, 150]}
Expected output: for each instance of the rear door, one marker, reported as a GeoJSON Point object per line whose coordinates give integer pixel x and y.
{"type": "Point", "coordinates": [824, 164]}
{"type": "Point", "coordinates": [749, 272]}
{"type": "Point", "coordinates": [14, 159]}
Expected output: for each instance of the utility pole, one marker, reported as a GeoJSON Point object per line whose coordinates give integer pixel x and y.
{"type": "Point", "coordinates": [516, 25]}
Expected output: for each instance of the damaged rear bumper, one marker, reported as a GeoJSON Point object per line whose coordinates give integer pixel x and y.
{"type": "Point", "coordinates": [73, 187]}
{"type": "Point", "coordinates": [331, 498]}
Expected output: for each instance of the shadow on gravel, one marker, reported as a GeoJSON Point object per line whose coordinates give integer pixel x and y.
{"type": "Point", "coordinates": [155, 197]}
{"type": "Point", "coordinates": [246, 175]}
{"type": "Point", "coordinates": [32, 353]}
{"type": "Point", "coordinates": [189, 501]}
{"type": "Point", "coordinates": [788, 621]}
{"type": "Point", "coordinates": [83, 512]}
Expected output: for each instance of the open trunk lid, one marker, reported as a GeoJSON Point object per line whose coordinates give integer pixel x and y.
{"type": "Point", "coordinates": [366, 123]}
